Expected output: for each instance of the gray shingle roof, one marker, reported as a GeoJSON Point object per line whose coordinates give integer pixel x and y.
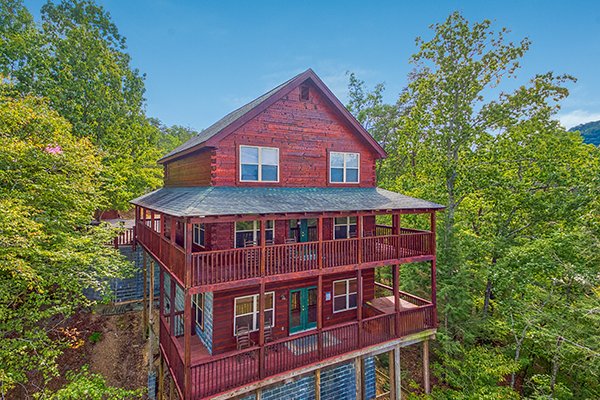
{"type": "Point", "coordinates": [221, 124]}
{"type": "Point", "coordinates": [225, 200]}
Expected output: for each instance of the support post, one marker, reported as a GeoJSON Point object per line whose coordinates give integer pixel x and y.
{"type": "Point", "coordinates": [318, 384]}
{"type": "Point", "coordinates": [320, 290]}
{"type": "Point", "coordinates": [261, 299]}
{"type": "Point", "coordinates": [397, 377]}
{"type": "Point", "coordinates": [151, 295]}
{"type": "Point", "coordinates": [145, 307]}
{"type": "Point", "coordinates": [426, 382]}
{"type": "Point", "coordinates": [359, 304]}
{"type": "Point", "coordinates": [161, 378]}
{"type": "Point", "coordinates": [359, 377]}
{"type": "Point", "coordinates": [150, 320]}
{"type": "Point", "coordinates": [187, 313]}
{"type": "Point", "coordinates": [433, 269]}
{"type": "Point", "coordinates": [359, 235]}
{"type": "Point", "coordinates": [396, 288]}
{"type": "Point", "coordinates": [391, 375]}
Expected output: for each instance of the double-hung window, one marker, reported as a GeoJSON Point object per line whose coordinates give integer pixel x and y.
{"type": "Point", "coordinates": [246, 311]}
{"type": "Point", "coordinates": [344, 228]}
{"type": "Point", "coordinates": [198, 307]}
{"type": "Point", "coordinates": [198, 234]}
{"type": "Point", "coordinates": [344, 295]}
{"type": "Point", "coordinates": [343, 167]}
{"type": "Point", "coordinates": [259, 164]}
{"type": "Point", "coordinates": [248, 232]}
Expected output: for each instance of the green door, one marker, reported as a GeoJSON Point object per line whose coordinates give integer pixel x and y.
{"type": "Point", "coordinates": [303, 230]}
{"type": "Point", "coordinates": [303, 309]}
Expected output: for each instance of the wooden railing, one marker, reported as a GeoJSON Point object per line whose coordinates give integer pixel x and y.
{"type": "Point", "coordinates": [220, 266]}
{"type": "Point", "coordinates": [169, 348]}
{"type": "Point", "coordinates": [126, 238]}
{"type": "Point", "coordinates": [234, 369]}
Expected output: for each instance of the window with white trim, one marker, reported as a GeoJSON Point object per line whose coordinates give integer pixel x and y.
{"type": "Point", "coordinates": [198, 307]}
{"type": "Point", "coordinates": [259, 164]}
{"type": "Point", "coordinates": [246, 310]}
{"type": "Point", "coordinates": [198, 234]}
{"type": "Point", "coordinates": [344, 295]}
{"type": "Point", "coordinates": [344, 167]}
{"type": "Point", "coordinates": [344, 228]}
{"type": "Point", "coordinates": [247, 232]}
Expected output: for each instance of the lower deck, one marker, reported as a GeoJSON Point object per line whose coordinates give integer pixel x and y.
{"type": "Point", "coordinates": [213, 374]}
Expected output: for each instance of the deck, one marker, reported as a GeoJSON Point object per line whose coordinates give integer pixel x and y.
{"type": "Point", "coordinates": [221, 267]}
{"type": "Point", "coordinates": [215, 374]}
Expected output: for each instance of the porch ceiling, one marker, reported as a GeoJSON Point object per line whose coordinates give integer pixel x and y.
{"type": "Point", "coordinates": [204, 201]}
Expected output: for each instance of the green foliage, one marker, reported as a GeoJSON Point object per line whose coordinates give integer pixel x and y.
{"type": "Point", "coordinates": [49, 252]}
{"type": "Point", "coordinates": [77, 60]}
{"type": "Point", "coordinates": [85, 385]}
{"type": "Point", "coordinates": [95, 337]}
{"type": "Point", "coordinates": [518, 244]}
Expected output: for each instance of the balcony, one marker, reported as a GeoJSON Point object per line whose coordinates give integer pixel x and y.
{"type": "Point", "coordinates": [211, 375]}
{"type": "Point", "coordinates": [285, 260]}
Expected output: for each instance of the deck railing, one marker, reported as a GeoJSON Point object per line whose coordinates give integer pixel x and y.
{"type": "Point", "coordinates": [168, 345]}
{"type": "Point", "coordinates": [220, 266]}
{"type": "Point", "coordinates": [234, 369]}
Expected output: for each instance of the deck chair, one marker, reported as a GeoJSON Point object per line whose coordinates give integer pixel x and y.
{"type": "Point", "coordinates": [269, 336]}
{"type": "Point", "coordinates": [242, 338]}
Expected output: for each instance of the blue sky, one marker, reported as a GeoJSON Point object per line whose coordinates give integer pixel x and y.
{"type": "Point", "coordinates": [203, 59]}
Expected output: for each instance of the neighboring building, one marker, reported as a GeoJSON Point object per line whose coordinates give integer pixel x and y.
{"type": "Point", "coordinates": [268, 234]}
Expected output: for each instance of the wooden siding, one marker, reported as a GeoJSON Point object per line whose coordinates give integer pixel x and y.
{"type": "Point", "coordinates": [192, 170]}
{"type": "Point", "coordinates": [304, 131]}
{"type": "Point", "coordinates": [223, 303]}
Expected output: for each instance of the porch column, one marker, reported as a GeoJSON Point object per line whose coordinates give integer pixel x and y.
{"type": "Point", "coordinates": [152, 223]}
{"type": "Point", "coordinates": [395, 223]}
{"type": "Point", "coordinates": [433, 267]}
{"type": "Point", "coordinates": [161, 291]}
{"type": "Point", "coordinates": [320, 296]}
{"type": "Point", "coordinates": [359, 235]}
{"type": "Point", "coordinates": [261, 299]}
{"type": "Point", "coordinates": [391, 375]}
{"type": "Point", "coordinates": [396, 288]}
{"type": "Point", "coordinates": [359, 306]}
{"type": "Point", "coordinates": [187, 311]}
{"type": "Point", "coordinates": [161, 234]}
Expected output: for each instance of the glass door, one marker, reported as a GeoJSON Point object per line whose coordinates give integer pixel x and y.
{"type": "Point", "coordinates": [303, 309]}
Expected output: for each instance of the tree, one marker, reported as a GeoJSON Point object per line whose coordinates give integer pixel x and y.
{"type": "Point", "coordinates": [49, 252]}
{"type": "Point", "coordinates": [514, 183]}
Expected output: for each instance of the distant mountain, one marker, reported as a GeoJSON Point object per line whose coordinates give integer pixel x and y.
{"type": "Point", "coordinates": [590, 132]}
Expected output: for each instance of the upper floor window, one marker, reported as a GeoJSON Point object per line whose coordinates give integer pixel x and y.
{"type": "Point", "coordinates": [259, 164]}
{"type": "Point", "coordinates": [247, 233]}
{"type": "Point", "coordinates": [198, 237]}
{"type": "Point", "coordinates": [343, 167]}
{"type": "Point", "coordinates": [344, 228]}
{"type": "Point", "coordinates": [246, 309]}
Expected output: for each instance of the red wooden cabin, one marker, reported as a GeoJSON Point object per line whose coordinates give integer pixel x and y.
{"type": "Point", "coordinates": [269, 231]}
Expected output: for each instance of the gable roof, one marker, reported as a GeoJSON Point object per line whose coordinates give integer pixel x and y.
{"type": "Point", "coordinates": [206, 201]}
{"type": "Point", "coordinates": [235, 119]}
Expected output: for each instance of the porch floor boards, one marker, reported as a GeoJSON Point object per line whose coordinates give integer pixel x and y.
{"type": "Point", "coordinates": [385, 305]}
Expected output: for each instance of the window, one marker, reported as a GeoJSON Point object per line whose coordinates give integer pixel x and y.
{"type": "Point", "coordinates": [343, 167]}
{"type": "Point", "coordinates": [303, 93]}
{"type": "Point", "coordinates": [344, 228]}
{"type": "Point", "coordinates": [246, 311]}
{"type": "Point", "coordinates": [198, 234]}
{"type": "Point", "coordinates": [344, 295]}
{"type": "Point", "coordinates": [198, 307]}
{"type": "Point", "coordinates": [259, 164]}
{"type": "Point", "coordinates": [249, 231]}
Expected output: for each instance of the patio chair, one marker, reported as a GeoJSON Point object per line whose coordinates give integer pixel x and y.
{"type": "Point", "coordinates": [242, 338]}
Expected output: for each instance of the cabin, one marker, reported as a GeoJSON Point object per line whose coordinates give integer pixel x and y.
{"type": "Point", "coordinates": [280, 257]}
